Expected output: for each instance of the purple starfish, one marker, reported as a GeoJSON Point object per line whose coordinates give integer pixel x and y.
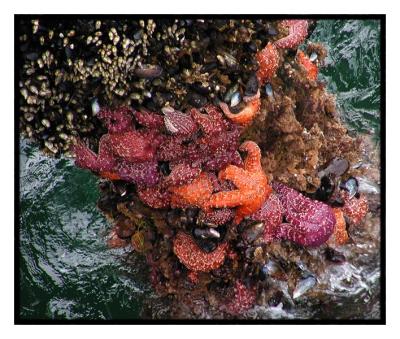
{"type": "Point", "coordinates": [124, 153]}
{"type": "Point", "coordinates": [309, 222]}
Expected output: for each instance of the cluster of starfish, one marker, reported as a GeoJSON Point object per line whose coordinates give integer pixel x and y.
{"type": "Point", "coordinates": [207, 172]}
{"type": "Point", "coordinates": [192, 160]}
{"type": "Point", "coordinates": [268, 58]}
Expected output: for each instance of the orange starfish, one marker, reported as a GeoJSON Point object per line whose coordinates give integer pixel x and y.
{"type": "Point", "coordinates": [247, 114]}
{"type": "Point", "coordinates": [196, 259]}
{"type": "Point", "coordinates": [309, 66]}
{"type": "Point", "coordinates": [251, 182]}
{"type": "Point", "coordinates": [354, 208]}
{"type": "Point", "coordinates": [194, 194]}
{"type": "Point", "coordinates": [339, 236]}
{"type": "Point", "coordinates": [268, 62]}
{"type": "Point", "coordinates": [109, 175]}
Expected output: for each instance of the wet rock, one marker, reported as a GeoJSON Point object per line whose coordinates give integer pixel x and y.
{"type": "Point", "coordinates": [367, 186]}
{"type": "Point", "coordinates": [276, 299]}
{"type": "Point", "coordinates": [252, 232]}
{"type": "Point", "coordinates": [124, 227]}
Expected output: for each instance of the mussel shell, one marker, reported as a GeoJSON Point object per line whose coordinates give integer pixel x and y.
{"type": "Point", "coordinates": [148, 71]}
{"type": "Point", "coordinates": [207, 245]}
{"type": "Point", "coordinates": [235, 99]}
{"type": "Point", "coordinates": [252, 232]}
{"type": "Point", "coordinates": [95, 107]}
{"type": "Point", "coordinates": [351, 186]}
{"type": "Point", "coordinates": [252, 86]}
{"type": "Point", "coordinates": [304, 285]}
{"type": "Point", "coordinates": [276, 299]}
{"type": "Point", "coordinates": [229, 93]}
{"type": "Point", "coordinates": [313, 56]}
{"type": "Point", "coordinates": [272, 31]}
{"type": "Point", "coordinates": [206, 233]}
{"type": "Point", "coordinates": [271, 267]}
{"type": "Point", "coordinates": [196, 100]}
{"type": "Point", "coordinates": [268, 90]}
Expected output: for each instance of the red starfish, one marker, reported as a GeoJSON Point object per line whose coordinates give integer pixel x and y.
{"type": "Point", "coordinates": [124, 153]}
{"type": "Point", "coordinates": [247, 114]}
{"type": "Point", "coordinates": [251, 182]}
{"type": "Point", "coordinates": [271, 214]}
{"type": "Point", "coordinates": [194, 258]}
{"type": "Point", "coordinates": [268, 61]}
{"type": "Point", "coordinates": [339, 236]}
{"type": "Point", "coordinates": [310, 68]}
{"type": "Point", "coordinates": [243, 299]}
{"type": "Point", "coordinates": [194, 194]}
{"type": "Point", "coordinates": [355, 209]}
{"type": "Point", "coordinates": [298, 30]}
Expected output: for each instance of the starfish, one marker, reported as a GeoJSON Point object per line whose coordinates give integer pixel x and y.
{"type": "Point", "coordinates": [103, 163]}
{"type": "Point", "coordinates": [247, 114]}
{"type": "Point", "coordinates": [141, 173]}
{"type": "Point", "coordinates": [251, 182]}
{"type": "Point", "coordinates": [339, 236]}
{"type": "Point", "coordinates": [268, 62]}
{"type": "Point", "coordinates": [124, 153]}
{"type": "Point", "coordinates": [243, 299]}
{"type": "Point", "coordinates": [194, 258]}
{"type": "Point", "coordinates": [310, 68]}
{"type": "Point", "coordinates": [216, 217]}
{"type": "Point", "coordinates": [117, 120]}
{"type": "Point", "coordinates": [309, 222]}
{"type": "Point", "coordinates": [271, 214]}
{"type": "Point", "coordinates": [133, 146]}
{"type": "Point", "coordinates": [298, 30]}
{"type": "Point", "coordinates": [210, 151]}
{"type": "Point", "coordinates": [354, 208]}
{"type": "Point", "coordinates": [212, 122]}
{"type": "Point", "coordinates": [181, 174]}
{"type": "Point", "coordinates": [149, 119]}
{"type": "Point", "coordinates": [194, 194]}
{"type": "Point", "coordinates": [155, 197]}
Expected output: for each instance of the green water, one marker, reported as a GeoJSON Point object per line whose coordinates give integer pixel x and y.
{"type": "Point", "coordinates": [353, 69]}
{"type": "Point", "coordinates": [66, 270]}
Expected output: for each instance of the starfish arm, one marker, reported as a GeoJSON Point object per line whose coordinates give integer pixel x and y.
{"type": "Point", "coordinates": [106, 160]}
{"type": "Point", "coordinates": [232, 173]}
{"type": "Point", "coordinates": [247, 114]}
{"type": "Point", "coordinates": [226, 199]}
{"type": "Point", "coordinates": [84, 157]}
{"type": "Point", "coordinates": [252, 163]}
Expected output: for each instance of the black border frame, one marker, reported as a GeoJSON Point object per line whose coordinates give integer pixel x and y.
{"type": "Point", "coordinates": [382, 321]}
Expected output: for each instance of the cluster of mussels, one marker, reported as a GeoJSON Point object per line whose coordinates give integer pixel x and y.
{"type": "Point", "coordinates": [66, 64]}
{"type": "Point", "coordinates": [182, 188]}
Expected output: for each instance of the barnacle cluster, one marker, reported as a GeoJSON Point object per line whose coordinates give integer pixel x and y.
{"type": "Point", "coordinates": [229, 168]}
